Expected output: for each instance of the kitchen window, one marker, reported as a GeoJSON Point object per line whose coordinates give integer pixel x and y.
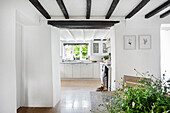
{"type": "Point", "coordinates": [76, 51]}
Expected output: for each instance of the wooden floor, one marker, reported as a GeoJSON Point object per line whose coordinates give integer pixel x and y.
{"type": "Point", "coordinates": [75, 98]}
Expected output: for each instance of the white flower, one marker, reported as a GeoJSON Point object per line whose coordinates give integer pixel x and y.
{"type": "Point", "coordinates": [133, 104]}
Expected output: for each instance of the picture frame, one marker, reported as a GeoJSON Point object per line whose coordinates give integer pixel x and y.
{"type": "Point", "coordinates": [144, 41]}
{"type": "Point", "coordinates": [129, 42]}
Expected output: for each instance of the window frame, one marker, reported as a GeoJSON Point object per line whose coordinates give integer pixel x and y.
{"type": "Point", "coordinates": [72, 50]}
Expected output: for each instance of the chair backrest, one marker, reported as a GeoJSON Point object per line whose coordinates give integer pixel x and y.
{"type": "Point", "coordinates": [133, 81]}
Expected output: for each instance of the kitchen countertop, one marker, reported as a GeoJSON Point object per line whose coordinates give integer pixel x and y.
{"type": "Point", "coordinates": [78, 62]}
{"type": "Point", "coordinates": [109, 66]}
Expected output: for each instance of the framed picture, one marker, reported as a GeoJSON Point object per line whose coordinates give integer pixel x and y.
{"type": "Point", "coordinates": [144, 41]}
{"type": "Point", "coordinates": [130, 42]}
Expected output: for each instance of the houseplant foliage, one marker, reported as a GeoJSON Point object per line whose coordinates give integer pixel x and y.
{"type": "Point", "coordinates": [147, 97]}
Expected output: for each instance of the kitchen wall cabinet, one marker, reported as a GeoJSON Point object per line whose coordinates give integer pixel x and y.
{"type": "Point", "coordinates": [76, 70]}
{"type": "Point", "coordinates": [96, 48]}
{"type": "Point", "coordinates": [104, 49]}
{"type": "Point", "coordinates": [99, 48]}
{"type": "Point", "coordinates": [86, 70]}
{"type": "Point", "coordinates": [68, 71]}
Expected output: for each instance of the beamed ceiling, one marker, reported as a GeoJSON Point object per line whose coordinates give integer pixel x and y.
{"type": "Point", "coordinates": [84, 34]}
{"type": "Point", "coordinates": [97, 14]}
{"type": "Point", "coordinates": [101, 9]}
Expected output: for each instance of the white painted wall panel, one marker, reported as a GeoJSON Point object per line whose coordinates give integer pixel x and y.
{"type": "Point", "coordinates": [38, 64]}
{"type": "Point", "coordinates": [55, 47]}
{"type": "Point", "coordinates": [7, 59]}
{"type": "Point", "coordinates": [19, 63]}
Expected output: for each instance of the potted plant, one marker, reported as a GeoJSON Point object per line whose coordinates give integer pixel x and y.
{"type": "Point", "coordinates": [106, 57]}
{"type": "Point", "coordinates": [149, 97]}
{"type": "Point", "coordinates": [77, 58]}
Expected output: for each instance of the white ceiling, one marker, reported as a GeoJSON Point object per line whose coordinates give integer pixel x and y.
{"type": "Point", "coordinates": [99, 9]}
{"type": "Point", "coordinates": [77, 10]}
{"type": "Point", "coordinates": [83, 34]}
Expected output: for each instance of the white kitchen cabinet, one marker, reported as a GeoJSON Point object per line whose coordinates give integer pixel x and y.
{"type": "Point", "coordinates": [76, 70]}
{"type": "Point", "coordinates": [96, 50]}
{"type": "Point", "coordinates": [62, 70]}
{"type": "Point", "coordinates": [99, 48]}
{"type": "Point", "coordinates": [104, 49]}
{"type": "Point", "coordinates": [80, 70]}
{"type": "Point", "coordinates": [87, 70]}
{"type": "Point", "coordinates": [68, 71]}
{"type": "Point", "coordinates": [96, 70]}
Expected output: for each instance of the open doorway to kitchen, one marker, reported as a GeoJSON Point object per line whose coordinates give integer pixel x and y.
{"type": "Point", "coordinates": [81, 52]}
{"type": "Point", "coordinates": [165, 47]}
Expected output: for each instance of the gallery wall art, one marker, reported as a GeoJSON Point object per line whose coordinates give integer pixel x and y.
{"type": "Point", "coordinates": [144, 41]}
{"type": "Point", "coordinates": [129, 42]}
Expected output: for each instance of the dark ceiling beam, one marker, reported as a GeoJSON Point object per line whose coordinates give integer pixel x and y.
{"type": "Point", "coordinates": [63, 8]}
{"type": "Point", "coordinates": [83, 27]}
{"type": "Point", "coordinates": [158, 9]}
{"type": "Point", "coordinates": [40, 8]}
{"type": "Point", "coordinates": [111, 9]}
{"type": "Point", "coordinates": [137, 8]}
{"type": "Point", "coordinates": [82, 24]}
{"type": "Point", "coordinates": [88, 11]}
{"type": "Point", "coordinates": [165, 14]}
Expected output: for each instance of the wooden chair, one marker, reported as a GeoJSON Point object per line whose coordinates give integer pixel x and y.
{"type": "Point", "coordinates": [133, 81]}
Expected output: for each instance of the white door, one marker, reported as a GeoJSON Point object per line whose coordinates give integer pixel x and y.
{"type": "Point", "coordinates": [87, 70]}
{"type": "Point", "coordinates": [62, 70]}
{"type": "Point", "coordinates": [76, 71]}
{"type": "Point", "coordinates": [96, 70]}
{"type": "Point", "coordinates": [68, 70]}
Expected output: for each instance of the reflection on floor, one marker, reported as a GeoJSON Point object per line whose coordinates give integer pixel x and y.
{"type": "Point", "coordinates": [75, 98]}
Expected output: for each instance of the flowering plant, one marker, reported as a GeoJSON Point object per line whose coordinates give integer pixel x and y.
{"type": "Point", "coordinates": [148, 97]}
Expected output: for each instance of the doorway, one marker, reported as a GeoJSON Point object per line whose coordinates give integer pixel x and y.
{"type": "Point", "coordinates": [81, 52]}
{"type": "Point", "coordinates": [165, 48]}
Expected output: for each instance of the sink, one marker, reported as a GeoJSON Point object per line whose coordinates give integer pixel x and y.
{"type": "Point", "coordinates": [77, 61]}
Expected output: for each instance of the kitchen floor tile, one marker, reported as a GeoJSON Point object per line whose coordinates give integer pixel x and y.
{"type": "Point", "coordinates": [75, 98]}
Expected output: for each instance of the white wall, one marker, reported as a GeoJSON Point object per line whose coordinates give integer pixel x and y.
{"type": "Point", "coordinates": [8, 9]}
{"type": "Point", "coordinates": [38, 66]}
{"type": "Point", "coordinates": [55, 47]}
{"type": "Point", "coordinates": [165, 55]}
{"type": "Point", "coordinates": [19, 63]}
{"type": "Point", "coordinates": [22, 12]}
{"type": "Point", "coordinates": [7, 60]}
{"type": "Point", "coordinates": [113, 57]}
{"type": "Point", "coordinates": [142, 60]}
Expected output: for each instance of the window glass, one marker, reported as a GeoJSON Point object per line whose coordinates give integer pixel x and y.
{"type": "Point", "coordinates": [76, 52]}
{"type": "Point", "coordinates": [68, 52]}
{"type": "Point", "coordinates": [84, 52]}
